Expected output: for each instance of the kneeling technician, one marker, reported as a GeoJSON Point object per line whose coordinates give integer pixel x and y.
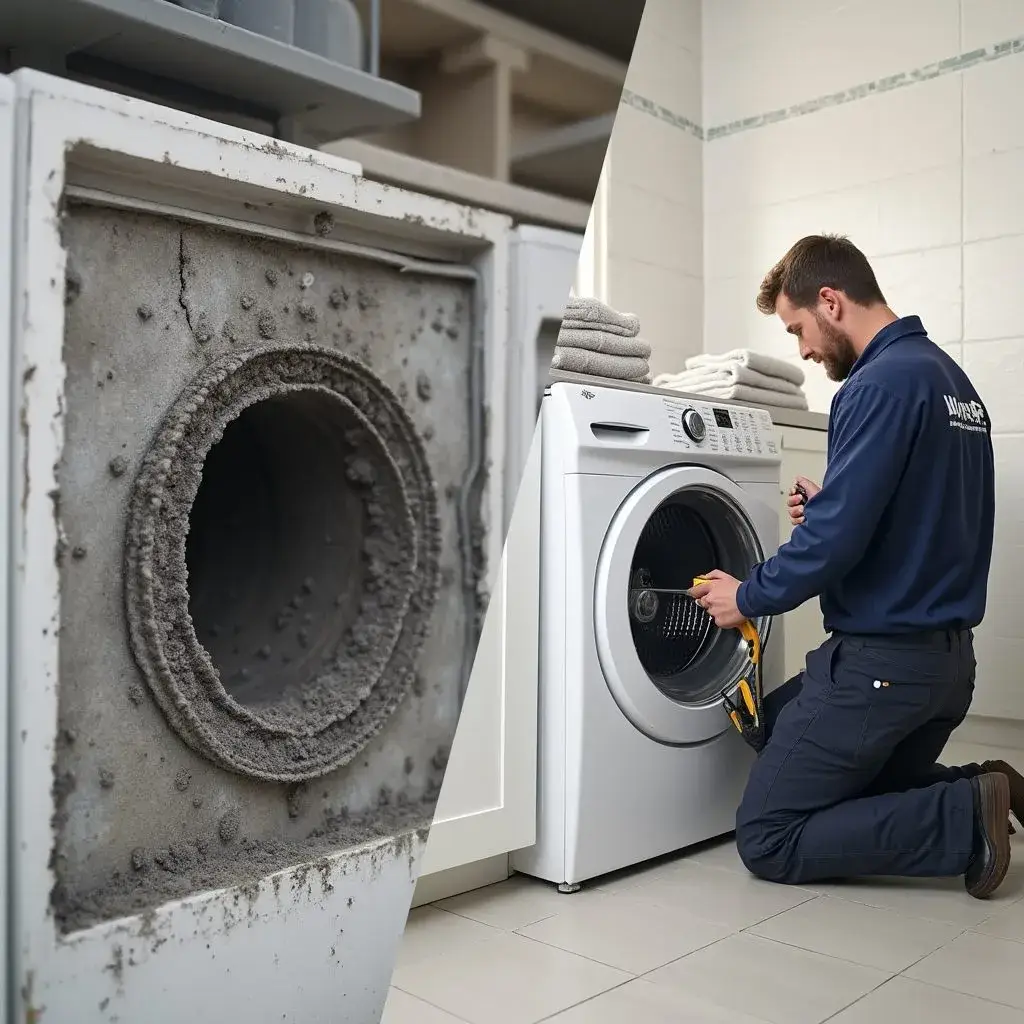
{"type": "Point", "coordinates": [897, 543]}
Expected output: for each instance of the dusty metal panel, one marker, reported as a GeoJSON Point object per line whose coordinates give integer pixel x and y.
{"type": "Point", "coordinates": [312, 946]}
{"type": "Point", "coordinates": [120, 311]}
{"type": "Point", "coordinates": [7, 99]}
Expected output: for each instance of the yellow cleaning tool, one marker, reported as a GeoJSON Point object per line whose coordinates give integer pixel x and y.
{"type": "Point", "coordinates": [748, 716]}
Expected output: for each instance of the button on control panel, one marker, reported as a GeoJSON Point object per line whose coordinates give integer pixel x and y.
{"type": "Point", "coordinates": [730, 430]}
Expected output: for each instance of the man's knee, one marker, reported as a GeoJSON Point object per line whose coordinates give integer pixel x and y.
{"type": "Point", "coordinates": [762, 850]}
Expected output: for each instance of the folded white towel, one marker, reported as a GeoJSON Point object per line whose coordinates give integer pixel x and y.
{"type": "Point", "coordinates": [731, 373]}
{"type": "Point", "coordinates": [600, 364]}
{"type": "Point", "coordinates": [603, 341]}
{"type": "Point", "coordinates": [745, 393]}
{"type": "Point", "coordinates": [587, 312]}
{"type": "Point", "coordinates": [768, 365]}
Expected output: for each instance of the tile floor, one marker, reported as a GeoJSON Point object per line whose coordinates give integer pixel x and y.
{"type": "Point", "coordinates": [696, 940]}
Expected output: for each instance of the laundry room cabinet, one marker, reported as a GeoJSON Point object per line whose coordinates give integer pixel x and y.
{"type": "Point", "coordinates": [488, 802]}
{"type": "Point", "coordinates": [803, 451]}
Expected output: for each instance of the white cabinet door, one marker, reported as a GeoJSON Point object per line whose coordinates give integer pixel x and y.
{"type": "Point", "coordinates": [543, 263]}
{"type": "Point", "coordinates": [803, 454]}
{"type": "Point", "coordinates": [488, 803]}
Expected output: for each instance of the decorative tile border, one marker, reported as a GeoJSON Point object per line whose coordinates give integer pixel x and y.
{"type": "Point", "coordinates": [646, 106]}
{"type": "Point", "coordinates": [927, 73]}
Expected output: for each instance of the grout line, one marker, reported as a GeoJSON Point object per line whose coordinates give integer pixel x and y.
{"type": "Point", "coordinates": [463, 917]}
{"type": "Point", "coordinates": [583, 1002]}
{"type": "Point", "coordinates": [647, 190]}
{"type": "Point", "coordinates": [828, 956]}
{"type": "Point", "coordinates": [989, 935]}
{"type": "Point", "coordinates": [995, 238]}
{"type": "Point", "coordinates": [573, 953]}
{"type": "Point", "coordinates": [679, 959]}
{"type": "Point", "coordinates": [973, 342]}
{"type": "Point", "coordinates": [857, 963]}
{"type": "Point", "coordinates": [957, 991]}
{"type": "Point", "coordinates": [861, 998]}
{"type": "Point", "coordinates": [898, 913]}
{"type": "Point", "coordinates": [427, 1002]}
{"type": "Point", "coordinates": [927, 73]}
{"type": "Point", "coordinates": [969, 995]}
{"type": "Point", "coordinates": [927, 984]}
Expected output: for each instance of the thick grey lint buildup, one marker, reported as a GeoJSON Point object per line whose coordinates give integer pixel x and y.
{"type": "Point", "coordinates": [317, 712]}
{"type": "Point", "coordinates": [196, 809]}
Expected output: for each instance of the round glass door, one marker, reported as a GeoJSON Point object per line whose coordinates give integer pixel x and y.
{"type": "Point", "coordinates": [666, 662]}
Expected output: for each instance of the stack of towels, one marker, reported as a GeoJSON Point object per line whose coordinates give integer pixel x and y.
{"type": "Point", "coordinates": [597, 340]}
{"type": "Point", "coordinates": [741, 375]}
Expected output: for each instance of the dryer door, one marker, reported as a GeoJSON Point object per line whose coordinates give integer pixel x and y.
{"type": "Point", "coordinates": [664, 660]}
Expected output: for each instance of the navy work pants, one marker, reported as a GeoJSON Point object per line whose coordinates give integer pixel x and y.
{"type": "Point", "coordinates": [848, 783]}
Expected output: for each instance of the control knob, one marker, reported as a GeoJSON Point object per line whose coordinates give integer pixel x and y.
{"type": "Point", "coordinates": [693, 424]}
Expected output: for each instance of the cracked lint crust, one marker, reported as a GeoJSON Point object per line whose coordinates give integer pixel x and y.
{"type": "Point", "coordinates": [275, 643]}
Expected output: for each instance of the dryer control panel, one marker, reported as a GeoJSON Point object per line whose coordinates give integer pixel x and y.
{"type": "Point", "coordinates": [723, 429]}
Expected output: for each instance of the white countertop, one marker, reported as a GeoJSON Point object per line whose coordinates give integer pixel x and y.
{"type": "Point", "coordinates": [780, 417]}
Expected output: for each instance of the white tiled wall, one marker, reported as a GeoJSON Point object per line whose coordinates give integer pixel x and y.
{"type": "Point", "coordinates": [764, 55]}
{"type": "Point", "coordinates": [652, 209]}
{"type": "Point", "coordinates": [928, 178]}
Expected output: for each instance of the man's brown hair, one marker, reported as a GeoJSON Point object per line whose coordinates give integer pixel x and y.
{"type": "Point", "coordinates": [816, 262]}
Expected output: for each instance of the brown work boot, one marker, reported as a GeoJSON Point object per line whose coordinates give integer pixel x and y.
{"type": "Point", "coordinates": [1016, 781]}
{"type": "Point", "coordinates": [991, 858]}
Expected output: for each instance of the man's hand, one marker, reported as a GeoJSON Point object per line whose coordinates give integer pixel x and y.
{"type": "Point", "coordinates": [796, 499]}
{"type": "Point", "coordinates": [718, 598]}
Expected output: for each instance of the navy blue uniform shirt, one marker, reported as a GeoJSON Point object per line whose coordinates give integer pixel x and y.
{"type": "Point", "coordinates": [899, 539]}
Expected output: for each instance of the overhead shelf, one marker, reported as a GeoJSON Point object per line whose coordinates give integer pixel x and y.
{"type": "Point", "coordinates": [203, 60]}
{"type": "Point", "coordinates": [562, 77]}
{"type": "Point", "coordinates": [567, 160]}
{"type": "Point", "coordinates": [523, 205]}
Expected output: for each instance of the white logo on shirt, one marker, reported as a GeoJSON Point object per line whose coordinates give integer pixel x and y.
{"type": "Point", "coordinates": [966, 415]}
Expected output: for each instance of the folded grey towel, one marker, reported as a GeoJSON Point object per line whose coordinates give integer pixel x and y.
{"type": "Point", "coordinates": [600, 364]}
{"type": "Point", "coordinates": [729, 373]}
{"type": "Point", "coordinates": [768, 365]}
{"type": "Point", "coordinates": [603, 341]}
{"type": "Point", "coordinates": [585, 312]}
{"type": "Point", "coordinates": [571, 323]}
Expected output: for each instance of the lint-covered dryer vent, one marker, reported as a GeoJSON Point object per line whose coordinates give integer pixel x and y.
{"type": "Point", "coordinates": [271, 498]}
{"type": "Point", "coordinates": [282, 561]}
{"type": "Point", "coordinates": [257, 399]}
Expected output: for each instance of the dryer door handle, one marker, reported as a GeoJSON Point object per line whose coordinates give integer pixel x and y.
{"type": "Point", "coordinates": [620, 433]}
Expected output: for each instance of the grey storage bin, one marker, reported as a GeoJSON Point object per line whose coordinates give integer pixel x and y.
{"type": "Point", "coordinates": [274, 19]}
{"type": "Point", "coordinates": [211, 8]}
{"type": "Point", "coordinates": [330, 28]}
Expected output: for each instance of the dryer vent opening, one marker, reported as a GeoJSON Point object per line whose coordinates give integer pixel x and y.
{"type": "Point", "coordinates": [680, 648]}
{"type": "Point", "coordinates": [282, 561]}
{"type": "Point", "coordinates": [281, 546]}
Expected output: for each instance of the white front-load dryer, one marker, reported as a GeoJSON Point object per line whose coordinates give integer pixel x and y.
{"type": "Point", "coordinates": [642, 491]}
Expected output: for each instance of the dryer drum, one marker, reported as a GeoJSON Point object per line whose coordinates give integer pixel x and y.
{"type": "Point", "coordinates": [680, 648]}
{"type": "Point", "coordinates": [281, 561]}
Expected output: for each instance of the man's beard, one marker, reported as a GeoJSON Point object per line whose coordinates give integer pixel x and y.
{"type": "Point", "coordinates": [839, 354]}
